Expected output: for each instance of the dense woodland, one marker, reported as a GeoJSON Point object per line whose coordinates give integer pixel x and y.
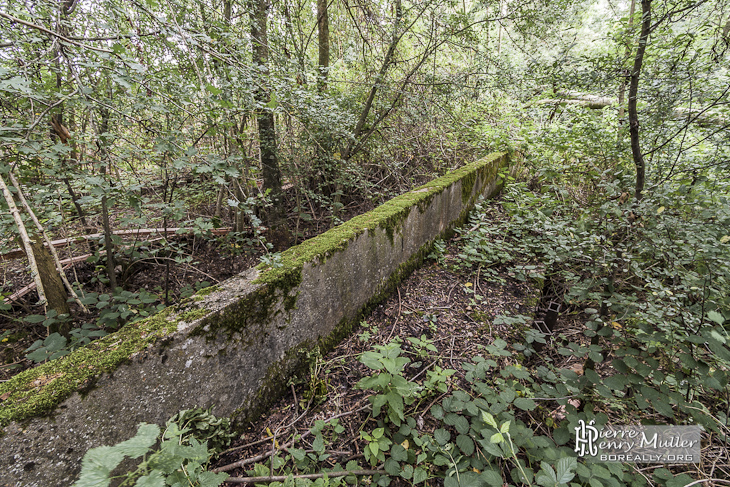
{"type": "Point", "coordinates": [150, 148]}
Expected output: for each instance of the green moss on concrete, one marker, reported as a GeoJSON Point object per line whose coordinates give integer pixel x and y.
{"type": "Point", "coordinates": [192, 315]}
{"type": "Point", "coordinates": [388, 216]}
{"type": "Point", "coordinates": [258, 307]}
{"type": "Point", "coordinates": [467, 186]}
{"type": "Point", "coordinates": [205, 291]}
{"type": "Point", "coordinates": [39, 390]}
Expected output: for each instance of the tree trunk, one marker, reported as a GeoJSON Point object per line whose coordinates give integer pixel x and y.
{"type": "Point", "coordinates": [52, 283]}
{"type": "Point", "coordinates": [279, 234]}
{"type": "Point", "coordinates": [633, 91]}
{"type": "Point", "coordinates": [108, 244]}
{"type": "Point", "coordinates": [622, 86]}
{"type": "Point", "coordinates": [323, 32]}
{"type": "Point", "coordinates": [387, 61]}
{"type": "Point", "coordinates": [25, 239]}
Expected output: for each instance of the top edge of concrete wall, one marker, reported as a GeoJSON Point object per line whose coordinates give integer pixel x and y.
{"type": "Point", "coordinates": [229, 347]}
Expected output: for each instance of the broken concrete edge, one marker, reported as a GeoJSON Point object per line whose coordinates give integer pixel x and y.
{"type": "Point", "coordinates": [37, 391]}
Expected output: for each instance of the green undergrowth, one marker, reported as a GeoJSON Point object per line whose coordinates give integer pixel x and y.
{"type": "Point", "coordinates": [646, 287]}
{"type": "Point", "coordinates": [177, 456]}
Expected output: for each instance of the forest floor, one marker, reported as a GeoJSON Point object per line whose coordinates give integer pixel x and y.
{"type": "Point", "coordinates": [444, 316]}
{"type": "Point", "coordinates": [451, 309]}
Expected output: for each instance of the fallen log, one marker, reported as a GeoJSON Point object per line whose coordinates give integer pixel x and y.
{"type": "Point", "coordinates": [66, 263]}
{"type": "Point", "coordinates": [698, 116]}
{"type": "Point", "coordinates": [65, 242]}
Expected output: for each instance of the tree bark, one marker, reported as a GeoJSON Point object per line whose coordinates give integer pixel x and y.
{"type": "Point", "coordinates": [323, 33]}
{"type": "Point", "coordinates": [108, 243]}
{"type": "Point", "coordinates": [387, 61]}
{"type": "Point", "coordinates": [622, 86]}
{"type": "Point", "coordinates": [279, 234]}
{"type": "Point", "coordinates": [61, 276]}
{"type": "Point", "coordinates": [25, 239]}
{"type": "Point", "coordinates": [633, 91]}
{"type": "Point", "coordinates": [52, 284]}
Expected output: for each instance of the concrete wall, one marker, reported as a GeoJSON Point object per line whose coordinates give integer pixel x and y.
{"type": "Point", "coordinates": [231, 347]}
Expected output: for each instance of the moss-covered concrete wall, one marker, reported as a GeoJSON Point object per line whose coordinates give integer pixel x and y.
{"type": "Point", "coordinates": [232, 347]}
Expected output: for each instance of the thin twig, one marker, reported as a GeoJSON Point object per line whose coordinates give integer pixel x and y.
{"type": "Point", "coordinates": [55, 34]}
{"type": "Point", "coordinates": [263, 456]}
{"type": "Point", "coordinates": [253, 443]}
{"type": "Point", "coordinates": [696, 482]}
{"type": "Point", "coordinates": [282, 478]}
{"type": "Point", "coordinates": [48, 109]}
{"type": "Point", "coordinates": [26, 241]}
{"type": "Point", "coordinates": [397, 317]}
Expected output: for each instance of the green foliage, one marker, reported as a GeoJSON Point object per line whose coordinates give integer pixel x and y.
{"type": "Point", "coordinates": [395, 392]}
{"type": "Point", "coordinates": [202, 425]}
{"type": "Point", "coordinates": [117, 309]}
{"type": "Point", "coordinates": [121, 306]}
{"type": "Point", "coordinates": [176, 458]}
{"type": "Point", "coordinates": [477, 431]}
{"type": "Point", "coordinates": [652, 281]}
{"type": "Point", "coordinates": [437, 253]}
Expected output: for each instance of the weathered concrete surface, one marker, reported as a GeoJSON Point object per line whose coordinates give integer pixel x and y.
{"type": "Point", "coordinates": [232, 348]}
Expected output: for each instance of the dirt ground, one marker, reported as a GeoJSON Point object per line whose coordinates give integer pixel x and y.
{"type": "Point", "coordinates": [436, 303]}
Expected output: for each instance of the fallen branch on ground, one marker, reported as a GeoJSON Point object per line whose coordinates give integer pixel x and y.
{"type": "Point", "coordinates": [46, 241]}
{"type": "Point", "coordinates": [263, 456]}
{"type": "Point", "coordinates": [65, 242]}
{"type": "Point", "coordinates": [282, 478]}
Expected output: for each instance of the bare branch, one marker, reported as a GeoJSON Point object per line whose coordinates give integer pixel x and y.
{"type": "Point", "coordinates": [54, 34]}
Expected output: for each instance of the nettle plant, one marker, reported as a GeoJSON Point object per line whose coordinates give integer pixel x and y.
{"type": "Point", "coordinates": [176, 457]}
